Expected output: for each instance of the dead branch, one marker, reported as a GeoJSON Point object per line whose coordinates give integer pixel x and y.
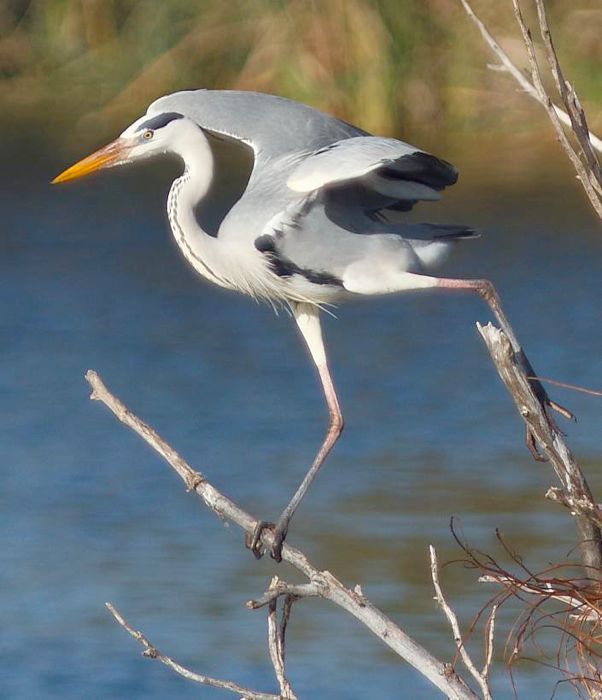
{"type": "Point", "coordinates": [151, 652]}
{"type": "Point", "coordinates": [562, 591]}
{"type": "Point", "coordinates": [585, 162]}
{"type": "Point", "coordinates": [549, 599]}
{"type": "Point", "coordinates": [330, 588]}
{"type": "Point", "coordinates": [572, 480]}
{"type": "Point", "coordinates": [482, 678]}
{"type": "Point", "coordinates": [566, 385]}
{"type": "Point", "coordinates": [570, 100]}
{"type": "Point", "coordinates": [576, 505]}
{"type": "Point", "coordinates": [583, 173]}
{"type": "Point", "coordinates": [489, 642]}
{"type": "Point", "coordinates": [281, 588]}
{"type": "Point", "coordinates": [276, 641]}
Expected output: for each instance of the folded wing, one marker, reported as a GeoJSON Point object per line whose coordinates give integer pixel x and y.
{"type": "Point", "coordinates": [383, 173]}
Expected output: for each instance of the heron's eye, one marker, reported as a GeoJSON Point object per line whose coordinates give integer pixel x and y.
{"type": "Point", "coordinates": [148, 134]}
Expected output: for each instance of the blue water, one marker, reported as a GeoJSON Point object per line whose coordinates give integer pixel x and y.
{"type": "Point", "coordinates": [89, 278]}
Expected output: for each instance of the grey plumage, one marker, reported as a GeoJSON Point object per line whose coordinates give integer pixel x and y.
{"type": "Point", "coordinates": [311, 225]}
{"type": "Point", "coordinates": [322, 189]}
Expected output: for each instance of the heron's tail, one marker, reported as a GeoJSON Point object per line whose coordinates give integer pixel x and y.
{"type": "Point", "coordinates": [434, 250]}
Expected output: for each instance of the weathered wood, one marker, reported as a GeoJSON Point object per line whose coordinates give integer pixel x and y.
{"type": "Point", "coordinates": [585, 163]}
{"type": "Point", "coordinates": [441, 675]}
{"type": "Point", "coordinates": [573, 483]}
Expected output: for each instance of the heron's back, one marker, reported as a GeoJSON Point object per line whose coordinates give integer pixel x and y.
{"type": "Point", "coordinates": [273, 125]}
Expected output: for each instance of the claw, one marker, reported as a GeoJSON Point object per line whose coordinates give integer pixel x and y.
{"type": "Point", "coordinates": [279, 537]}
{"type": "Point", "coordinates": [254, 543]}
{"type": "Point", "coordinates": [253, 540]}
{"type": "Point", "coordinates": [533, 448]}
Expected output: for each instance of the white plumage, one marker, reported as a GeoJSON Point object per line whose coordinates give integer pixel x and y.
{"type": "Point", "coordinates": [311, 226]}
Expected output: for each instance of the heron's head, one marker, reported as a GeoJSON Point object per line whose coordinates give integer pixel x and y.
{"type": "Point", "coordinates": [147, 136]}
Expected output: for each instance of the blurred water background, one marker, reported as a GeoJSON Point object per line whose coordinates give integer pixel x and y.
{"type": "Point", "coordinates": [89, 277]}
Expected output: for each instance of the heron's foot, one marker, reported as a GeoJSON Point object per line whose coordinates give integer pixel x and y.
{"type": "Point", "coordinates": [253, 541]}
{"type": "Point", "coordinates": [255, 544]}
{"type": "Point", "coordinates": [280, 532]}
{"type": "Point", "coordinates": [531, 442]}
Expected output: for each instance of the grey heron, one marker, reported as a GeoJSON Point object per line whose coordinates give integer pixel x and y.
{"type": "Point", "coordinates": [312, 226]}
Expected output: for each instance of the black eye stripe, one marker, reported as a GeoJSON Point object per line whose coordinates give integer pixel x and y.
{"type": "Point", "coordinates": [159, 121]}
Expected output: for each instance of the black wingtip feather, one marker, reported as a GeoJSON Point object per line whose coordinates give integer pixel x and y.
{"type": "Point", "coordinates": [458, 232]}
{"type": "Point", "coordinates": [424, 168]}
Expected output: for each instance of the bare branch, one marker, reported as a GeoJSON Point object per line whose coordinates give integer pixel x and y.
{"type": "Point", "coordinates": [579, 604]}
{"type": "Point", "coordinates": [153, 653]}
{"type": "Point", "coordinates": [576, 505]}
{"type": "Point", "coordinates": [545, 100]}
{"type": "Point", "coordinates": [276, 644]}
{"type": "Point", "coordinates": [489, 642]}
{"type": "Point", "coordinates": [281, 588]}
{"type": "Point", "coordinates": [567, 469]}
{"type": "Point", "coordinates": [481, 678]}
{"type": "Point", "coordinates": [545, 589]}
{"type": "Point", "coordinates": [558, 116]}
{"type": "Point", "coordinates": [565, 385]}
{"type": "Point", "coordinates": [570, 99]}
{"type": "Point", "coordinates": [510, 67]}
{"type": "Point", "coordinates": [329, 586]}
{"type": "Point", "coordinates": [285, 616]}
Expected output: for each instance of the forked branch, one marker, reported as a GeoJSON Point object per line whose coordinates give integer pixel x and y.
{"type": "Point", "coordinates": [584, 160]}
{"type": "Point", "coordinates": [573, 483]}
{"type": "Point", "coordinates": [151, 652]}
{"type": "Point", "coordinates": [277, 640]}
{"type": "Point", "coordinates": [322, 583]}
{"type": "Point", "coordinates": [481, 677]}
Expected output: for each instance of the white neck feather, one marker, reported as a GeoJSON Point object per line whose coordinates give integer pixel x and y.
{"type": "Point", "coordinates": [224, 262]}
{"type": "Point", "coordinates": [200, 249]}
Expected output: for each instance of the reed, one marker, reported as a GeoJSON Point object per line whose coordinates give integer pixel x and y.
{"type": "Point", "coordinates": [392, 66]}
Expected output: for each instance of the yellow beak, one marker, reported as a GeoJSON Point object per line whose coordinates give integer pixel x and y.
{"type": "Point", "coordinates": [112, 154]}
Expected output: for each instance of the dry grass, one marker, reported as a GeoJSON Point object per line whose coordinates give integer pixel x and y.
{"type": "Point", "coordinates": [392, 66]}
{"type": "Point", "coordinates": [558, 616]}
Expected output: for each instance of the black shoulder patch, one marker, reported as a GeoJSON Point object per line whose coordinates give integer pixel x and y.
{"type": "Point", "coordinates": [286, 268]}
{"type": "Point", "coordinates": [265, 244]}
{"type": "Point", "coordinates": [160, 120]}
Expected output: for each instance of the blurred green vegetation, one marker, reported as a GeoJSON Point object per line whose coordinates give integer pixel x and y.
{"type": "Point", "coordinates": [84, 68]}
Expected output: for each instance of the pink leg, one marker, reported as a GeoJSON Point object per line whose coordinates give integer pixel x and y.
{"type": "Point", "coordinates": [308, 320]}
{"type": "Point", "coordinates": [488, 292]}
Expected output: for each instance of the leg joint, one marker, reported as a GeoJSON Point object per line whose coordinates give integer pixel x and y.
{"type": "Point", "coordinates": [486, 289]}
{"type": "Point", "coordinates": [337, 423]}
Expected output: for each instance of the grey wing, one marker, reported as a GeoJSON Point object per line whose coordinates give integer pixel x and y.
{"type": "Point", "coordinates": [374, 173]}
{"type": "Point", "coordinates": [342, 191]}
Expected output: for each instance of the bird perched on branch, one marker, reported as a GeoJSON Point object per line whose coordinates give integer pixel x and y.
{"type": "Point", "coordinates": [312, 226]}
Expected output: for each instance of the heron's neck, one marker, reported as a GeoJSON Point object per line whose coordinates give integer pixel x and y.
{"type": "Point", "coordinates": [200, 248]}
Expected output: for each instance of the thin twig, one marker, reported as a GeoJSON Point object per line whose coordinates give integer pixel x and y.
{"type": "Point", "coordinates": [570, 99]}
{"type": "Point", "coordinates": [281, 588]}
{"type": "Point", "coordinates": [565, 385]}
{"type": "Point", "coordinates": [508, 65]}
{"type": "Point", "coordinates": [276, 645]}
{"type": "Point", "coordinates": [580, 168]}
{"type": "Point", "coordinates": [330, 587]}
{"type": "Point", "coordinates": [578, 605]}
{"type": "Point", "coordinates": [481, 678]}
{"type": "Point", "coordinates": [152, 652]}
{"type": "Point", "coordinates": [535, 90]}
{"type": "Point", "coordinates": [285, 616]}
{"type": "Point", "coordinates": [547, 590]}
{"type": "Point", "coordinates": [489, 642]}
